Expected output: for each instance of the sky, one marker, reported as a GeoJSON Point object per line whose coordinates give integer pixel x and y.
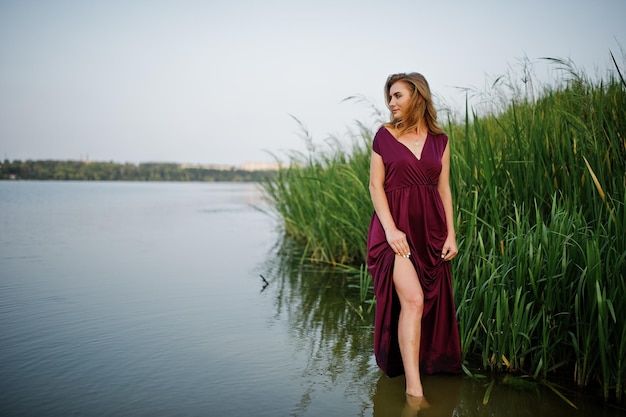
{"type": "Point", "coordinates": [232, 81]}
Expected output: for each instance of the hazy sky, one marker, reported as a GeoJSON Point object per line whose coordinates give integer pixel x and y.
{"type": "Point", "coordinates": [218, 81]}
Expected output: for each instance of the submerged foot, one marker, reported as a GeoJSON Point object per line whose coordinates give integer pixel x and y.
{"type": "Point", "coordinates": [414, 405]}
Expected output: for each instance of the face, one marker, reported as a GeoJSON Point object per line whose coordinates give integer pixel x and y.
{"type": "Point", "coordinates": [399, 98]}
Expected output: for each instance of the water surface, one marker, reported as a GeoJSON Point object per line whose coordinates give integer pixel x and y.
{"type": "Point", "coordinates": [145, 299]}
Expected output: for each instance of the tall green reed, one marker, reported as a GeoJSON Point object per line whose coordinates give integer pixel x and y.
{"type": "Point", "coordinates": [565, 155]}
{"type": "Point", "coordinates": [322, 200]}
{"type": "Point", "coordinates": [539, 187]}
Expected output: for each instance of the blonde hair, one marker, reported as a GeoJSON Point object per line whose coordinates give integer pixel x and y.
{"type": "Point", "coordinates": [418, 110]}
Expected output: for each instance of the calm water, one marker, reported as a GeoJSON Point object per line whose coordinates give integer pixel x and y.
{"type": "Point", "coordinates": [145, 299]}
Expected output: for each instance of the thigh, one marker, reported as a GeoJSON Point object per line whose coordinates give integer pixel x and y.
{"type": "Point", "coordinates": [406, 281]}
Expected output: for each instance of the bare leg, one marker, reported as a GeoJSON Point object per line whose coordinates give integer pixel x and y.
{"type": "Point", "coordinates": [410, 323]}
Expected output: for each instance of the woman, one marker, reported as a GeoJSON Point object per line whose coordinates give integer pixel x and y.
{"type": "Point", "coordinates": [411, 238]}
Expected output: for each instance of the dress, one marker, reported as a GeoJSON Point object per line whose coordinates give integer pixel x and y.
{"type": "Point", "coordinates": [417, 209]}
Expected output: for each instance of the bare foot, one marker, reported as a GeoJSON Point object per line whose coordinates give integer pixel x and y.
{"type": "Point", "coordinates": [413, 405]}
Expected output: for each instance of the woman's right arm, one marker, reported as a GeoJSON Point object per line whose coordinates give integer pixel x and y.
{"type": "Point", "coordinates": [395, 237]}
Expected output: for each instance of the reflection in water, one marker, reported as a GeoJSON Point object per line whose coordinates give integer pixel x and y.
{"type": "Point", "coordinates": [443, 397]}
{"type": "Point", "coordinates": [335, 343]}
{"type": "Point", "coordinates": [331, 337]}
{"type": "Point", "coordinates": [389, 398]}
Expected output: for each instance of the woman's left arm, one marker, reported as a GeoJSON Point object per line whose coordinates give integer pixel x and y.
{"type": "Point", "coordinates": [449, 249]}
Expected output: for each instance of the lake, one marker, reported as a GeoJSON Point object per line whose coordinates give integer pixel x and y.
{"type": "Point", "coordinates": [148, 299]}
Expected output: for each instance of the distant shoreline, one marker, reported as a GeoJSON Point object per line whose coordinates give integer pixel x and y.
{"type": "Point", "coordinates": [72, 170]}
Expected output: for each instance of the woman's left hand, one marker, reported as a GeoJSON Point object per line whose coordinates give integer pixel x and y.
{"type": "Point", "coordinates": [450, 249]}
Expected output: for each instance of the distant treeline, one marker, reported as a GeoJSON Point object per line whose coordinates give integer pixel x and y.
{"type": "Point", "coordinates": [111, 171]}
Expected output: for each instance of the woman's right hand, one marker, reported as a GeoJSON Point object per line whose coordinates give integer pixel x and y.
{"type": "Point", "coordinates": [397, 240]}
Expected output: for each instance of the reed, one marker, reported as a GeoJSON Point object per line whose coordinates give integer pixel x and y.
{"type": "Point", "coordinates": [539, 186]}
{"type": "Point", "coordinates": [545, 181]}
{"type": "Point", "coordinates": [322, 200]}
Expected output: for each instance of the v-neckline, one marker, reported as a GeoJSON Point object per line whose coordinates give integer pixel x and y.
{"type": "Point", "coordinates": [419, 158]}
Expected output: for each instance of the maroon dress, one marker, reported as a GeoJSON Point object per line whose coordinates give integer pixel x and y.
{"type": "Point", "coordinates": [417, 209]}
